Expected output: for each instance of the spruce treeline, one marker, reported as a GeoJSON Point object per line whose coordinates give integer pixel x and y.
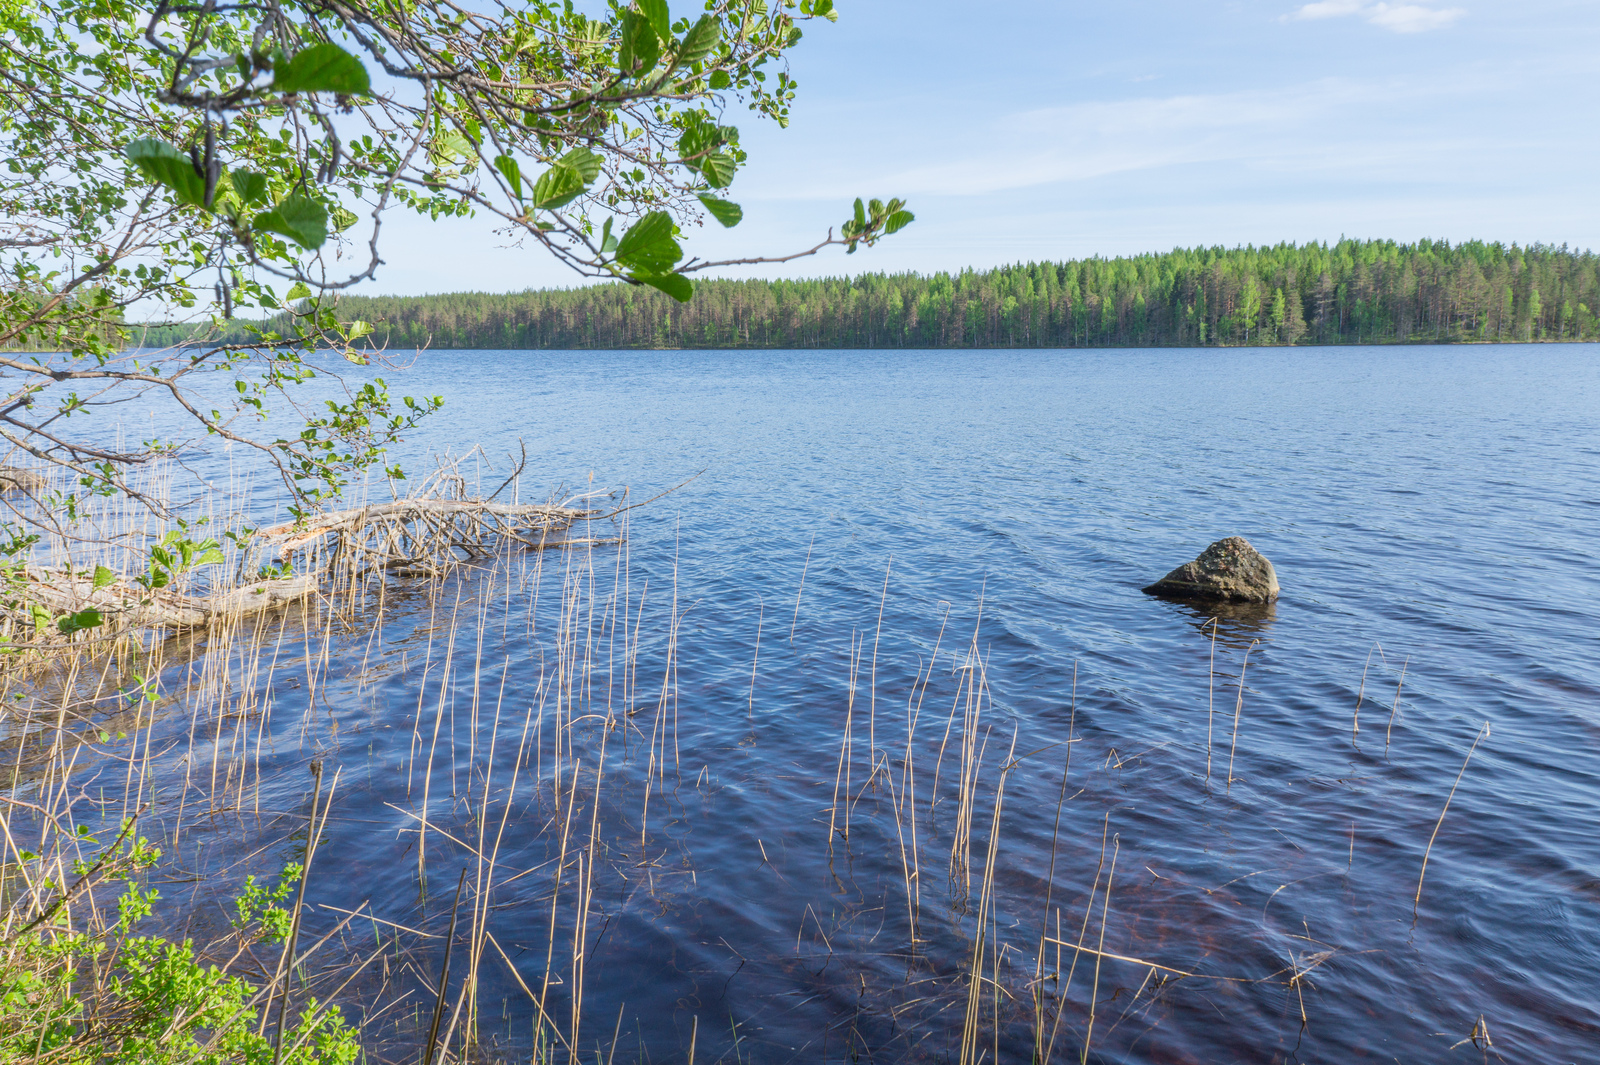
{"type": "Point", "coordinates": [1352, 292]}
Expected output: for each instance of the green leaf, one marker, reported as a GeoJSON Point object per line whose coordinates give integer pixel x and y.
{"type": "Point", "coordinates": [898, 221]}
{"type": "Point", "coordinates": [608, 243]}
{"type": "Point", "coordinates": [251, 187]}
{"type": "Point", "coordinates": [640, 48]}
{"type": "Point", "coordinates": [566, 180]}
{"type": "Point", "coordinates": [511, 172]}
{"type": "Point", "coordinates": [718, 168]}
{"type": "Point", "coordinates": [342, 219]}
{"type": "Point", "coordinates": [647, 247]}
{"type": "Point", "coordinates": [161, 162]}
{"type": "Point", "coordinates": [557, 187]}
{"type": "Point", "coordinates": [729, 214]}
{"type": "Point", "coordinates": [719, 79]}
{"type": "Point", "coordinates": [83, 619]}
{"type": "Point", "coordinates": [861, 212]}
{"type": "Point", "coordinates": [449, 146]}
{"type": "Point", "coordinates": [655, 11]}
{"type": "Point", "coordinates": [585, 162]}
{"type": "Point", "coordinates": [677, 286]}
{"type": "Point", "coordinates": [103, 577]}
{"type": "Point", "coordinates": [298, 217]}
{"type": "Point", "coordinates": [700, 41]}
{"type": "Point", "coordinates": [323, 67]}
{"type": "Point", "coordinates": [299, 292]}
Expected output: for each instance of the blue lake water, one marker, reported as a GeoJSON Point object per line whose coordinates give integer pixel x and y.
{"type": "Point", "coordinates": [1432, 516]}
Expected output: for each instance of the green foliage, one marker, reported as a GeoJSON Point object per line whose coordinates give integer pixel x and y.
{"type": "Point", "coordinates": [874, 220]}
{"type": "Point", "coordinates": [257, 914]}
{"type": "Point", "coordinates": [177, 554]}
{"type": "Point", "coordinates": [79, 992]}
{"type": "Point", "coordinates": [77, 622]}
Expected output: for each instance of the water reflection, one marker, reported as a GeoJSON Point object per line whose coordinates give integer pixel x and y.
{"type": "Point", "coordinates": [1230, 622]}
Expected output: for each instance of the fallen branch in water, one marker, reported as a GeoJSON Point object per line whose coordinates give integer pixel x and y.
{"type": "Point", "coordinates": [421, 534]}
{"type": "Point", "coordinates": [123, 604]}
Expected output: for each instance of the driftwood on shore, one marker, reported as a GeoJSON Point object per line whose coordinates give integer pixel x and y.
{"type": "Point", "coordinates": [420, 534]}
{"type": "Point", "coordinates": [17, 479]}
{"type": "Point", "coordinates": [405, 537]}
{"type": "Point", "coordinates": [124, 605]}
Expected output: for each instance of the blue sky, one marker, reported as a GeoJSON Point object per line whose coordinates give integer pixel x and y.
{"type": "Point", "coordinates": [1036, 130]}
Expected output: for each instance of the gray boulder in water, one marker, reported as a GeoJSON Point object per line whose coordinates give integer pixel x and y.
{"type": "Point", "coordinates": [1229, 569]}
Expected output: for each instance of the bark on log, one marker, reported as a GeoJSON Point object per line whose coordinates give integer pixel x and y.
{"type": "Point", "coordinates": [126, 605]}
{"type": "Point", "coordinates": [17, 479]}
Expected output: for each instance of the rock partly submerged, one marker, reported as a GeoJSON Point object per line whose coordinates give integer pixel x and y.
{"type": "Point", "coordinates": [1230, 570]}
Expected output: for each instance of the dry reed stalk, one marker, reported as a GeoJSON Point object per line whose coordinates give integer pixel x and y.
{"type": "Point", "coordinates": [1088, 911]}
{"type": "Point", "coordinates": [802, 588]}
{"type": "Point", "coordinates": [938, 765]}
{"type": "Point", "coordinates": [1147, 964]}
{"type": "Point", "coordinates": [286, 961]}
{"type": "Point", "coordinates": [908, 785]}
{"type": "Point", "coordinates": [971, 767]}
{"type": "Point", "coordinates": [444, 975]}
{"type": "Point", "coordinates": [872, 681]}
{"type": "Point", "coordinates": [1355, 717]}
{"type": "Point", "coordinates": [485, 866]}
{"type": "Point", "coordinates": [1105, 909]}
{"type": "Point", "coordinates": [555, 894]}
{"type": "Point", "coordinates": [983, 934]}
{"type": "Point", "coordinates": [1211, 681]}
{"type": "Point", "coordinates": [438, 723]}
{"type": "Point", "coordinates": [897, 798]}
{"type": "Point", "coordinates": [841, 776]}
{"type": "Point", "coordinates": [1395, 708]}
{"type": "Point", "coordinates": [1417, 901]}
{"type": "Point", "coordinates": [673, 659]}
{"type": "Point", "coordinates": [750, 703]}
{"type": "Point", "coordinates": [1238, 708]}
{"type": "Point", "coordinates": [1049, 885]}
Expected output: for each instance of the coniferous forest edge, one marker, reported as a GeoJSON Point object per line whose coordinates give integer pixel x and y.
{"type": "Point", "coordinates": [1349, 292]}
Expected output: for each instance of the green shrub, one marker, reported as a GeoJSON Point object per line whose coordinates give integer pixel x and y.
{"type": "Point", "coordinates": [89, 989]}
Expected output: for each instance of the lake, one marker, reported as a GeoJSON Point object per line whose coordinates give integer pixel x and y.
{"type": "Point", "coordinates": [739, 776]}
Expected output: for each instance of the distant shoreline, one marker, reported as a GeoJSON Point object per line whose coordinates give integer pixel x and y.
{"type": "Point", "coordinates": [1350, 293]}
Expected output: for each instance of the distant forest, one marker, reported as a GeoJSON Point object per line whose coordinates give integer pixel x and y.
{"type": "Point", "coordinates": [1352, 292]}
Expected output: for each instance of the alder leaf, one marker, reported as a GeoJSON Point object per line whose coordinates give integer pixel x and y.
{"type": "Point", "coordinates": [323, 67]}
{"type": "Point", "coordinates": [298, 217]}
{"type": "Point", "coordinates": [729, 214]}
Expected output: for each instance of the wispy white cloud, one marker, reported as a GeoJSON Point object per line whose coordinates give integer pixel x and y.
{"type": "Point", "coordinates": [1412, 18]}
{"type": "Point", "coordinates": [1252, 130]}
{"type": "Point", "coordinates": [1401, 18]}
{"type": "Point", "coordinates": [1330, 9]}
